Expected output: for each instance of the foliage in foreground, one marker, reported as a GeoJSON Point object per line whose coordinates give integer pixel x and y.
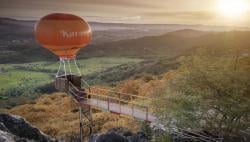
{"type": "Point", "coordinates": [210, 92]}
{"type": "Point", "coordinates": [57, 115]}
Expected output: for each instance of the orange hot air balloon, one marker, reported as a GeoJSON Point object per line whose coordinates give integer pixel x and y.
{"type": "Point", "coordinates": [63, 34]}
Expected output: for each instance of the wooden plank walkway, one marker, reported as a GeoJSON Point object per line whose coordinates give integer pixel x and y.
{"type": "Point", "coordinates": [113, 104]}
{"type": "Point", "coordinates": [121, 109]}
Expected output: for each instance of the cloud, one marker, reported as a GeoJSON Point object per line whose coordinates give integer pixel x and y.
{"type": "Point", "coordinates": [192, 15]}
{"type": "Point", "coordinates": [68, 3]}
{"type": "Point", "coordinates": [129, 3]}
{"type": "Point", "coordinates": [132, 18]}
{"type": "Point", "coordinates": [147, 11]}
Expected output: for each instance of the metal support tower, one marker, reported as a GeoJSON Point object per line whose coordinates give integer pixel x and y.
{"type": "Point", "coordinates": [86, 121]}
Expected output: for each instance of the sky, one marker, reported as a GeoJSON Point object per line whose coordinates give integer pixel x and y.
{"type": "Point", "coordinates": [125, 11]}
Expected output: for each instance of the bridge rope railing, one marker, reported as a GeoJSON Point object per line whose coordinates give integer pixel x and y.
{"type": "Point", "coordinates": [110, 100]}
{"type": "Point", "coordinates": [120, 102]}
{"type": "Point", "coordinates": [117, 92]}
{"type": "Point", "coordinates": [121, 93]}
{"type": "Point", "coordinates": [144, 100]}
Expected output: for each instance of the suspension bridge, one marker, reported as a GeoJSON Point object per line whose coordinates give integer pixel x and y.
{"type": "Point", "coordinates": [89, 98]}
{"type": "Point", "coordinates": [114, 102]}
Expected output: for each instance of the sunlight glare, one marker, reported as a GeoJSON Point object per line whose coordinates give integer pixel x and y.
{"type": "Point", "coordinates": [232, 8]}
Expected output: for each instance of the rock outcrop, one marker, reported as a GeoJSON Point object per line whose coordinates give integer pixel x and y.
{"type": "Point", "coordinates": [119, 135]}
{"type": "Point", "coordinates": [6, 137]}
{"type": "Point", "coordinates": [16, 129]}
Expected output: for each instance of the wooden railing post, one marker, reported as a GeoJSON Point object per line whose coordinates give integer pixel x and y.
{"type": "Point", "coordinates": [97, 101]}
{"type": "Point", "coordinates": [89, 96]}
{"type": "Point", "coordinates": [132, 109]}
{"type": "Point", "coordinates": [120, 102]}
{"type": "Point", "coordinates": [108, 103]}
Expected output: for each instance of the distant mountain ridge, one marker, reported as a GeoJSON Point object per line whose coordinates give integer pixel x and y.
{"type": "Point", "coordinates": [17, 43]}
{"type": "Point", "coordinates": [16, 22]}
{"type": "Point", "coordinates": [188, 33]}
{"type": "Point", "coordinates": [174, 27]}
{"type": "Point", "coordinates": [172, 44]}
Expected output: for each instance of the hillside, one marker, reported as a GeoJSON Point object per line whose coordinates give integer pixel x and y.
{"type": "Point", "coordinates": [109, 39]}
{"type": "Point", "coordinates": [171, 44]}
{"type": "Point", "coordinates": [18, 81]}
{"type": "Point", "coordinates": [47, 114]}
{"type": "Point", "coordinates": [48, 108]}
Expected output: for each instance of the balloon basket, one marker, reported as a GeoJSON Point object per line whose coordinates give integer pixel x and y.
{"type": "Point", "coordinates": [68, 72]}
{"type": "Point", "coordinates": [62, 82]}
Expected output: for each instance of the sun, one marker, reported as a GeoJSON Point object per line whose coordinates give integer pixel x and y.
{"type": "Point", "coordinates": [232, 8]}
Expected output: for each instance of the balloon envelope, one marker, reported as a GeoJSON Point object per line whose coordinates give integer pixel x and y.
{"type": "Point", "coordinates": [63, 34]}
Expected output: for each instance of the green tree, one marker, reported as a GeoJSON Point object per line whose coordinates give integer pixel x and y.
{"type": "Point", "coordinates": [209, 93]}
{"type": "Point", "coordinates": [145, 127]}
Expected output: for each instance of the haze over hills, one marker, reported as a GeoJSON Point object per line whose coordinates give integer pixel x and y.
{"type": "Point", "coordinates": [171, 44]}
{"type": "Point", "coordinates": [143, 40]}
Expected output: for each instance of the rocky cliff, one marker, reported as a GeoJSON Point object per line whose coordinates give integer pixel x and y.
{"type": "Point", "coordinates": [16, 129]}
{"type": "Point", "coordinates": [119, 135]}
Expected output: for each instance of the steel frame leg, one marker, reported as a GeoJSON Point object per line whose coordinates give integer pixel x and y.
{"type": "Point", "coordinates": [85, 113]}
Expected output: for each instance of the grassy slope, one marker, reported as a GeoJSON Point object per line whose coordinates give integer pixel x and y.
{"type": "Point", "coordinates": [14, 74]}
{"type": "Point", "coordinates": [56, 115]}
{"type": "Point", "coordinates": [92, 65]}
{"type": "Point", "coordinates": [17, 78]}
{"type": "Point", "coordinates": [47, 114]}
{"type": "Point", "coordinates": [25, 79]}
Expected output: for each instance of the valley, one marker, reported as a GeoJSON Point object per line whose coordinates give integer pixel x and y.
{"type": "Point", "coordinates": [28, 79]}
